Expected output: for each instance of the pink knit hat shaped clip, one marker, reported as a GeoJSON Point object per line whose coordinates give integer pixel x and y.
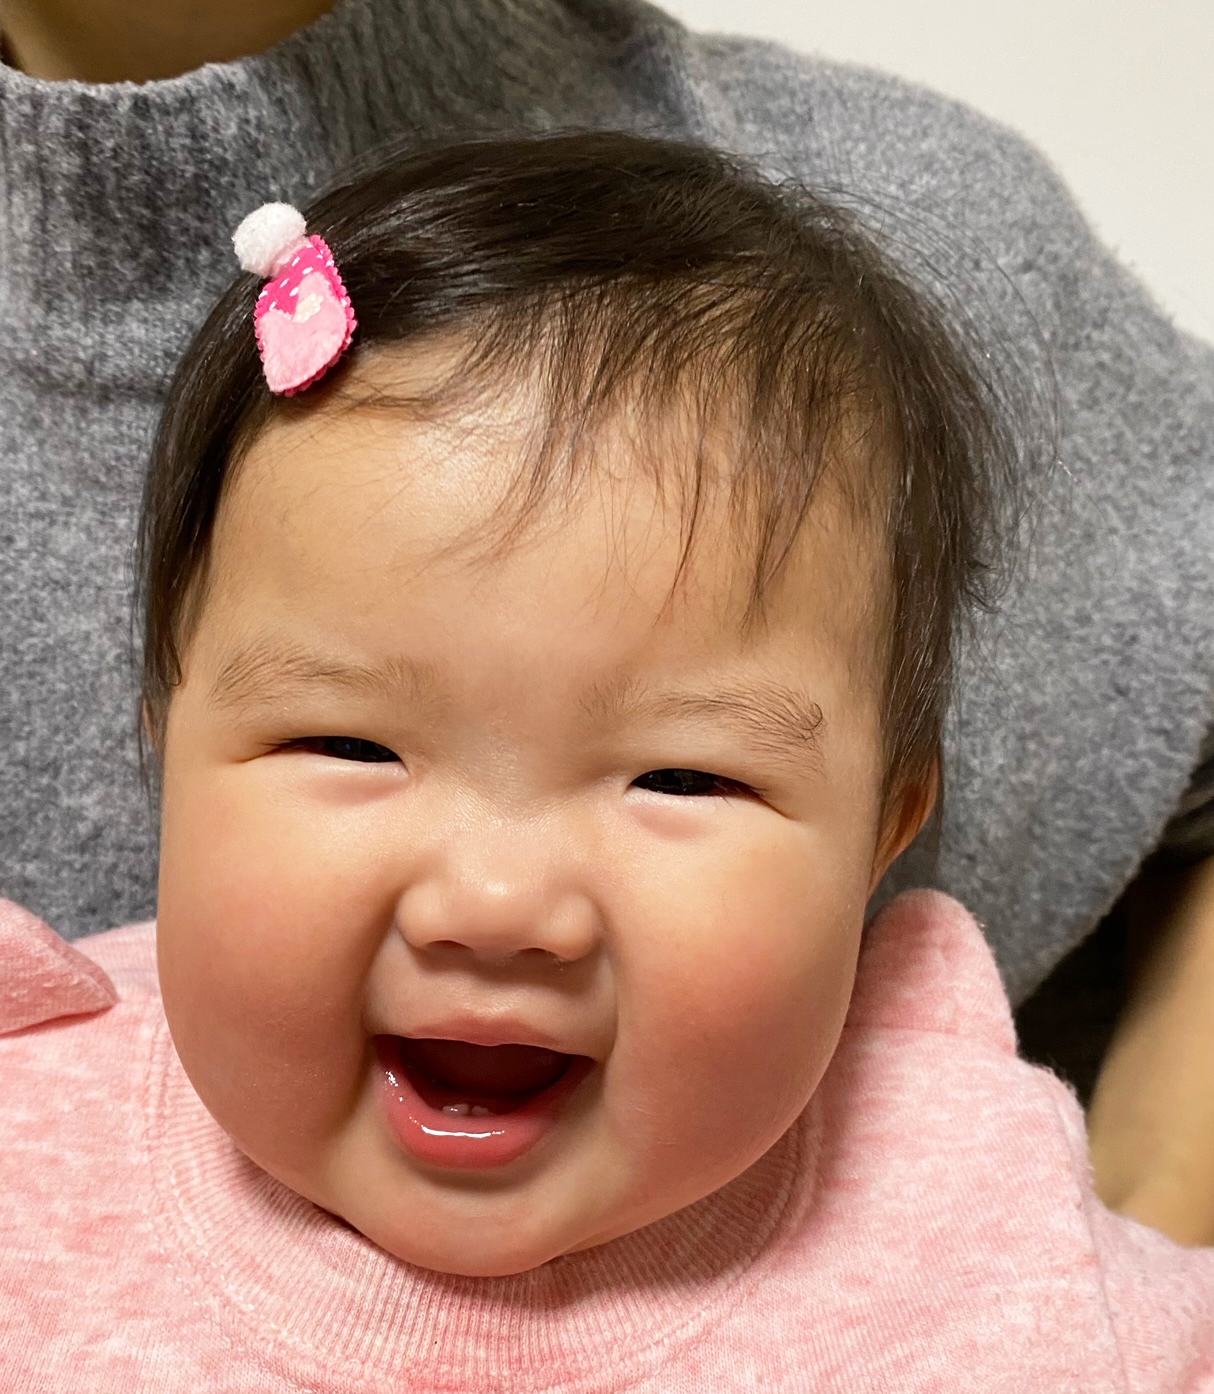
{"type": "Point", "coordinates": [303, 320]}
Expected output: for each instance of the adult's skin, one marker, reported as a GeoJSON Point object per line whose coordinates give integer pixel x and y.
{"type": "Point", "coordinates": [1151, 1120]}
{"type": "Point", "coordinates": [143, 40]}
{"type": "Point", "coordinates": [1151, 1123]}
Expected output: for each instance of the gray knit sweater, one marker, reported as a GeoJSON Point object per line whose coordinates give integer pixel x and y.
{"type": "Point", "coordinates": [1082, 706]}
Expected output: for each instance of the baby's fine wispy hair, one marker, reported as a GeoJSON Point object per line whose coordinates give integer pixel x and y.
{"type": "Point", "coordinates": [624, 274]}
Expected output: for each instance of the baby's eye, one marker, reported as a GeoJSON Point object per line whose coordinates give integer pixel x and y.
{"type": "Point", "coordinates": [687, 783]}
{"type": "Point", "coordinates": [348, 748]}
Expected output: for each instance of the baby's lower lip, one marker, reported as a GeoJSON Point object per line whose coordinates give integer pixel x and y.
{"type": "Point", "coordinates": [467, 1141]}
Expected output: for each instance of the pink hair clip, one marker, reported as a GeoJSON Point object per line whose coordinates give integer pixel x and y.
{"type": "Point", "coordinates": [303, 320]}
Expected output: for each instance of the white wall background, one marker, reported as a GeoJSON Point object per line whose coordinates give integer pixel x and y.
{"type": "Point", "coordinates": [1118, 93]}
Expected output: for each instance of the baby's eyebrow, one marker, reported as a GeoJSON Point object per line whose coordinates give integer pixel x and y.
{"type": "Point", "coordinates": [258, 671]}
{"type": "Point", "coordinates": [777, 719]}
{"type": "Point", "coordinates": [771, 716]}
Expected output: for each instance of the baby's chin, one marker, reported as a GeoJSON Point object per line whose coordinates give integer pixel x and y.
{"type": "Point", "coordinates": [488, 1233]}
{"type": "Point", "coordinates": [477, 1251]}
{"type": "Point", "coordinates": [511, 1238]}
{"type": "Point", "coordinates": [468, 1255]}
{"type": "Point", "coordinates": [488, 1230]}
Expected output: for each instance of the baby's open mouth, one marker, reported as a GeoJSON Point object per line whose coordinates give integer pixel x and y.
{"type": "Point", "coordinates": [458, 1077]}
{"type": "Point", "coordinates": [459, 1107]}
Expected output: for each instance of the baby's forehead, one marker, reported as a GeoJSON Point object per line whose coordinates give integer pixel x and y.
{"type": "Point", "coordinates": [537, 442]}
{"type": "Point", "coordinates": [413, 493]}
{"type": "Point", "coordinates": [538, 439]}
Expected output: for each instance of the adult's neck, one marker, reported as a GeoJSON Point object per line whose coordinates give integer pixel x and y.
{"type": "Point", "coordinates": [142, 40]}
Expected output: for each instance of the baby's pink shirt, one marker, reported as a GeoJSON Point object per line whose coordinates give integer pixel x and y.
{"type": "Point", "coordinates": [928, 1224]}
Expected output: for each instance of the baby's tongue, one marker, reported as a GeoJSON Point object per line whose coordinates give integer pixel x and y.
{"type": "Point", "coordinates": [477, 1070]}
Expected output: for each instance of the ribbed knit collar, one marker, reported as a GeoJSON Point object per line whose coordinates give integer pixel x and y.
{"type": "Point", "coordinates": [117, 200]}
{"type": "Point", "coordinates": [322, 1304]}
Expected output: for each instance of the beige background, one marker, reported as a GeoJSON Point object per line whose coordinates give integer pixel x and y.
{"type": "Point", "coordinates": [1118, 93]}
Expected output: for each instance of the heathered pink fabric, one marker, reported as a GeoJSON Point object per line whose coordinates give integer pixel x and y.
{"type": "Point", "coordinates": [928, 1225]}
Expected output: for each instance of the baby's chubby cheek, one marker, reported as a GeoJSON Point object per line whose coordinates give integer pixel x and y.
{"type": "Point", "coordinates": [262, 990]}
{"type": "Point", "coordinates": [723, 1038]}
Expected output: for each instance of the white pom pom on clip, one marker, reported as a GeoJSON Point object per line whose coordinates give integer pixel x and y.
{"type": "Point", "coordinates": [268, 238]}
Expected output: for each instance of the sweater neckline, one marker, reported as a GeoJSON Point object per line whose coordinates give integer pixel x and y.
{"type": "Point", "coordinates": [168, 88]}
{"type": "Point", "coordinates": [114, 228]}
{"type": "Point", "coordinates": [319, 1301]}
{"type": "Point", "coordinates": [117, 200]}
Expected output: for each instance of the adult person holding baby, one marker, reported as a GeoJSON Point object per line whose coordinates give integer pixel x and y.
{"type": "Point", "coordinates": [1082, 709]}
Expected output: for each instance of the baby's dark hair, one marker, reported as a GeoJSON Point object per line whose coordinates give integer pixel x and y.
{"type": "Point", "coordinates": [621, 270]}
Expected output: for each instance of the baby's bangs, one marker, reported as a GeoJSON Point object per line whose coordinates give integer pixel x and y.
{"type": "Point", "coordinates": [712, 389]}
{"type": "Point", "coordinates": [639, 282]}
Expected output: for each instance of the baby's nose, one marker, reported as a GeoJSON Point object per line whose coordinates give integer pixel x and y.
{"type": "Point", "coordinates": [498, 894]}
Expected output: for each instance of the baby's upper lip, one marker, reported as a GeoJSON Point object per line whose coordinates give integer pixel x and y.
{"type": "Point", "coordinates": [490, 1031]}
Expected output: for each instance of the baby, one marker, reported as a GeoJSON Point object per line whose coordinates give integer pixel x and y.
{"type": "Point", "coordinates": [551, 581]}
{"type": "Point", "coordinates": [543, 698]}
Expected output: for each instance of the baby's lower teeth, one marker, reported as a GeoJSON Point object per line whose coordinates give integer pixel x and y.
{"type": "Point", "coordinates": [476, 1110]}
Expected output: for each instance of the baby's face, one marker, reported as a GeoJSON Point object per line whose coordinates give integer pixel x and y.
{"type": "Point", "coordinates": [417, 793]}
